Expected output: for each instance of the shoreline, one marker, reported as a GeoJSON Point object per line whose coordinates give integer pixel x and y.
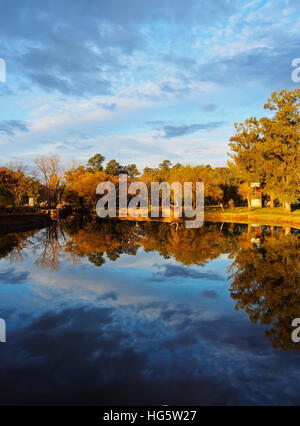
{"type": "Point", "coordinates": [19, 222]}
{"type": "Point", "coordinates": [261, 216]}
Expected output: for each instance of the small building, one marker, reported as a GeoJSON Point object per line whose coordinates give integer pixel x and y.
{"type": "Point", "coordinates": [256, 194]}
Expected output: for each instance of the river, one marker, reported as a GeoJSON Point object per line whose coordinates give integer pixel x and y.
{"type": "Point", "coordinates": [113, 313]}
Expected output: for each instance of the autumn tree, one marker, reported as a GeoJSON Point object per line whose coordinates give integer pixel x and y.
{"type": "Point", "coordinates": [50, 171]}
{"type": "Point", "coordinates": [33, 187]}
{"type": "Point", "coordinates": [81, 185]}
{"type": "Point", "coordinates": [14, 181]}
{"type": "Point", "coordinates": [228, 182]}
{"type": "Point", "coordinates": [5, 196]}
{"type": "Point", "coordinates": [165, 172]}
{"type": "Point", "coordinates": [279, 147]}
{"type": "Point", "coordinates": [246, 164]}
{"type": "Point", "coordinates": [195, 174]}
{"type": "Point", "coordinates": [267, 150]}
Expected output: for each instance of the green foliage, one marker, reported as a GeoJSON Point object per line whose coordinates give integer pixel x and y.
{"type": "Point", "coordinates": [131, 170]}
{"type": "Point", "coordinates": [113, 168]}
{"type": "Point", "coordinates": [5, 196]}
{"type": "Point", "coordinates": [267, 150]}
{"type": "Point", "coordinates": [95, 163]}
{"type": "Point", "coordinates": [5, 192]}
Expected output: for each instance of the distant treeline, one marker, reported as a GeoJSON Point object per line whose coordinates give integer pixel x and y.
{"type": "Point", "coordinates": [264, 150]}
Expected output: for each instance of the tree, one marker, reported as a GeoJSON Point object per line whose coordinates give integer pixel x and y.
{"type": "Point", "coordinates": [181, 174]}
{"type": "Point", "coordinates": [95, 163]}
{"type": "Point", "coordinates": [198, 174]}
{"type": "Point", "coordinates": [14, 182]}
{"type": "Point", "coordinates": [244, 191]}
{"type": "Point", "coordinates": [82, 184]}
{"type": "Point", "coordinates": [228, 182]}
{"type": "Point", "coordinates": [246, 165]}
{"type": "Point", "coordinates": [267, 150]}
{"type": "Point", "coordinates": [50, 171]}
{"type": "Point", "coordinates": [17, 166]}
{"type": "Point", "coordinates": [33, 187]}
{"type": "Point", "coordinates": [165, 165]}
{"type": "Point", "coordinates": [279, 149]}
{"type": "Point", "coordinates": [177, 166]}
{"type": "Point", "coordinates": [131, 170]}
{"type": "Point", "coordinates": [147, 170]}
{"type": "Point", "coordinates": [5, 196]}
{"type": "Point", "coordinates": [113, 168]}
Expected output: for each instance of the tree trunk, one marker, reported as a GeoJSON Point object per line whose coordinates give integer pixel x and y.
{"type": "Point", "coordinates": [48, 198]}
{"type": "Point", "coordinates": [287, 207]}
{"type": "Point", "coordinates": [272, 201]}
{"type": "Point", "coordinates": [249, 203]}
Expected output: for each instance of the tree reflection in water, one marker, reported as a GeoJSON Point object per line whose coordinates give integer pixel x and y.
{"type": "Point", "coordinates": [266, 284]}
{"type": "Point", "coordinates": [264, 275]}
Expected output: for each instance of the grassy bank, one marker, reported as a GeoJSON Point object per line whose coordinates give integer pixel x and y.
{"type": "Point", "coordinates": [265, 216]}
{"type": "Point", "coordinates": [19, 222]}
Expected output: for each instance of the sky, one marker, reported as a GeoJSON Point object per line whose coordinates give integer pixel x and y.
{"type": "Point", "coordinates": [139, 81]}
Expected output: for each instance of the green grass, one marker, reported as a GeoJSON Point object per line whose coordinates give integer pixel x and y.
{"type": "Point", "coordinates": [255, 210]}
{"type": "Point", "coordinates": [273, 215]}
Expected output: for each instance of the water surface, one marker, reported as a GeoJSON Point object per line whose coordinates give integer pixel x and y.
{"type": "Point", "coordinates": [125, 313]}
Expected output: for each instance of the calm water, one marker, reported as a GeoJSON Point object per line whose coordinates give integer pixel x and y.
{"type": "Point", "coordinates": [125, 313]}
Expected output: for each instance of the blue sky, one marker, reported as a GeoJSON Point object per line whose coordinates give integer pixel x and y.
{"type": "Point", "coordinates": [140, 81]}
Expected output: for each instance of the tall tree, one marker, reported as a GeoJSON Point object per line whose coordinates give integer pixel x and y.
{"type": "Point", "coordinates": [165, 165]}
{"type": "Point", "coordinates": [14, 181]}
{"type": "Point", "coordinates": [228, 182]}
{"type": "Point", "coordinates": [246, 164]}
{"type": "Point", "coordinates": [131, 170]}
{"type": "Point", "coordinates": [95, 163]}
{"type": "Point", "coordinates": [50, 171]}
{"type": "Point", "coordinates": [267, 150]}
{"type": "Point", "coordinates": [279, 148]}
{"type": "Point", "coordinates": [81, 185]}
{"type": "Point", "coordinates": [113, 168]}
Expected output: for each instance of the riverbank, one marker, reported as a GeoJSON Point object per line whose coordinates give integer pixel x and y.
{"type": "Point", "coordinates": [19, 222]}
{"type": "Point", "coordinates": [264, 216]}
